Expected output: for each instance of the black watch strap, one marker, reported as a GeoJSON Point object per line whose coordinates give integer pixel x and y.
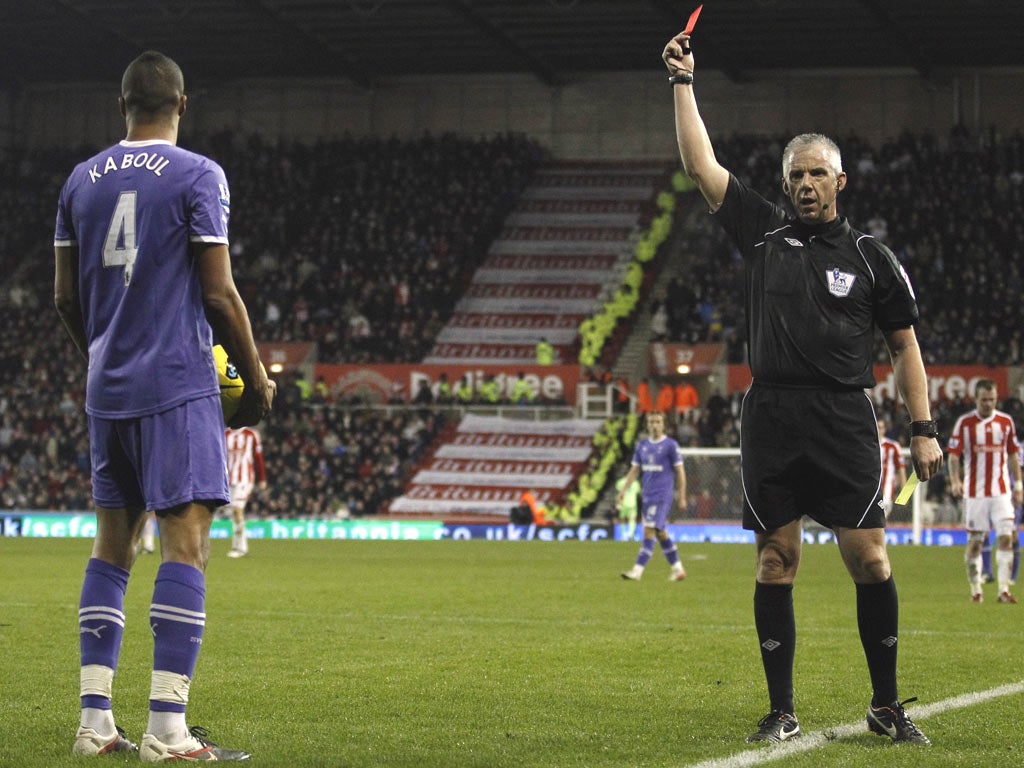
{"type": "Point", "coordinates": [923, 429]}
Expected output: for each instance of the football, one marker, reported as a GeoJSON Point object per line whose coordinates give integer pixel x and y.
{"type": "Point", "coordinates": [231, 384]}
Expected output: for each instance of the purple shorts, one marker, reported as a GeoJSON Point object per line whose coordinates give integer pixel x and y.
{"type": "Point", "coordinates": [160, 461]}
{"type": "Point", "coordinates": [655, 512]}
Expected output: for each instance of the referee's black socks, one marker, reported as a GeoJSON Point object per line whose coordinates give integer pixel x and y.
{"type": "Point", "coordinates": [878, 621]}
{"type": "Point", "coordinates": [776, 632]}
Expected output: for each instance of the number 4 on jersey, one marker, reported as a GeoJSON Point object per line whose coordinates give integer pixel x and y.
{"type": "Point", "coordinates": [119, 247]}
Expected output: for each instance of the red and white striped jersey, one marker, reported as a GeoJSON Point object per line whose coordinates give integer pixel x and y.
{"type": "Point", "coordinates": [245, 456]}
{"type": "Point", "coordinates": [892, 463]}
{"type": "Point", "coordinates": [985, 448]}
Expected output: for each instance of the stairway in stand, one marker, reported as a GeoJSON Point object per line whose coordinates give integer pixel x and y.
{"type": "Point", "coordinates": [485, 466]}
{"type": "Point", "coordinates": [562, 252]}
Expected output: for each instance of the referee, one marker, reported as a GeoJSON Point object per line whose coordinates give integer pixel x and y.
{"type": "Point", "coordinates": [816, 289]}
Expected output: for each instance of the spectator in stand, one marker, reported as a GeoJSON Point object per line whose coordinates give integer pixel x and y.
{"type": "Point", "coordinates": [490, 390]}
{"type": "Point", "coordinates": [396, 396]}
{"type": "Point", "coordinates": [545, 352]}
{"type": "Point", "coordinates": [686, 398]}
{"type": "Point", "coordinates": [984, 456]}
{"type": "Point", "coordinates": [644, 398]}
{"type": "Point", "coordinates": [444, 390]}
{"type": "Point", "coordinates": [659, 320]}
{"type": "Point", "coordinates": [622, 395]}
{"type": "Point", "coordinates": [424, 395]}
{"type": "Point", "coordinates": [538, 514]}
{"type": "Point", "coordinates": [320, 393]}
{"type": "Point", "coordinates": [959, 403]}
{"type": "Point", "coordinates": [665, 399]}
{"type": "Point", "coordinates": [523, 392]}
{"type": "Point", "coordinates": [686, 431]}
{"type": "Point", "coordinates": [465, 394]}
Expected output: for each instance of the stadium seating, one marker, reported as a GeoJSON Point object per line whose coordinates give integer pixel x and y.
{"type": "Point", "coordinates": [490, 461]}
{"type": "Point", "coordinates": [368, 243]}
{"type": "Point", "coordinates": [365, 246]}
{"type": "Point", "coordinates": [561, 254]}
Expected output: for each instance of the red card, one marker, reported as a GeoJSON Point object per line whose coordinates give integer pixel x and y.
{"type": "Point", "coordinates": [693, 20]}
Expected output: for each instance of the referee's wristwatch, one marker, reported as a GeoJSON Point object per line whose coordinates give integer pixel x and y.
{"type": "Point", "coordinates": [924, 429]}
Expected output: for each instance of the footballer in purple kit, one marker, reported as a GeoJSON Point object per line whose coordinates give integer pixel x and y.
{"type": "Point", "coordinates": [142, 283]}
{"type": "Point", "coordinates": [659, 465]}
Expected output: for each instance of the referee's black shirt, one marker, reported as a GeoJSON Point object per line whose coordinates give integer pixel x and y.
{"type": "Point", "coordinates": [814, 294]}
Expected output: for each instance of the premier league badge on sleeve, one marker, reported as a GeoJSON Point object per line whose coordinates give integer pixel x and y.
{"type": "Point", "coordinates": [839, 283]}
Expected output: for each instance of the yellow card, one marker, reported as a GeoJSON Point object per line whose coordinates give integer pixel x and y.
{"type": "Point", "coordinates": [908, 489]}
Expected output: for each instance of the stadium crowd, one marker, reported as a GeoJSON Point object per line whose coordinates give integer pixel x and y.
{"type": "Point", "coordinates": [348, 244]}
{"type": "Point", "coordinates": [368, 243]}
{"type": "Point", "coordinates": [942, 209]}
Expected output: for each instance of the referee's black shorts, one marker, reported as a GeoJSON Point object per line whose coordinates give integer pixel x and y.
{"type": "Point", "coordinates": [808, 451]}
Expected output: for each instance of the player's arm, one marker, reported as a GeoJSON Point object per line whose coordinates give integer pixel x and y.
{"type": "Point", "coordinates": [912, 383]}
{"type": "Point", "coordinates": [680, 487]}
{"type": "Point", "coordinates": [695, 148]}
{"type": "Point", "coordinates": [1018, 488]}
{"type": "Point", "coordinates": [66, 296]}
{"type": "Point", "coordinates": [956, 486]}
{"type": "Point", "coordinates": [1015, 471]}
{"type": "Point", "coordinates": [229, 319]}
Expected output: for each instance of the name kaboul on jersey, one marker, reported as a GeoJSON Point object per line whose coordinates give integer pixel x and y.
{"type": "Point", "coordinates": [151, 162]}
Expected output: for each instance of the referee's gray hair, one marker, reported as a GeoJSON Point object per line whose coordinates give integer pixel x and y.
{"type": "Point", "coordinates": [835, 158]}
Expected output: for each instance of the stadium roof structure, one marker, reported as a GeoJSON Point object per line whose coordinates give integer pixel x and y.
{"type": "Point", "coordinates": [364, 41]}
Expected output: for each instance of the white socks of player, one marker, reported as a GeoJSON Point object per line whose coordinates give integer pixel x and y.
{"type": "Point", "coordinates": [1004, 569]}
{"type": "Point", "coordinates": [974, 573]}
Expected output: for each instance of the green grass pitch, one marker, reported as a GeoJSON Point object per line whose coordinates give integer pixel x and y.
{"type": "Point", "coordinates": [489, 654]}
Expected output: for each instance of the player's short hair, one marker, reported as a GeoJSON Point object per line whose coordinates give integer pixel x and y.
{"type": "Point", "coordinates": [835, 158]}
{"type": "Point", "coordinates": [152, 84]}
{"type": "Point", "coordinates": [655, 413]}
{"type": "Point", "coordinates": [984, 384]}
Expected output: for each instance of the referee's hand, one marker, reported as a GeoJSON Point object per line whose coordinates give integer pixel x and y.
{"type": "Point", "coordinates": [678, 56]}
{"type": "Point", "coordinates": [926, 455]}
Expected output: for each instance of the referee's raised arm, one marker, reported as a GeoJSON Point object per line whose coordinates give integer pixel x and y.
{"type": "Point", "coordinates": [695, 148]}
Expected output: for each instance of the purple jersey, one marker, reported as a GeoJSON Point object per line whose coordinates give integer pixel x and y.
{"type": "Point", "coordinates": [133, 210]}
{"type": "Point", "coordinates": [657, 461]}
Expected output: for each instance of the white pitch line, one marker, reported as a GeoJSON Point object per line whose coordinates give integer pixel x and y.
{"type": "Point", "coordinates": [817, 739]}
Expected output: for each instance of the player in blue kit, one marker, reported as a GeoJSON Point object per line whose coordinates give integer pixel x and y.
{"type": "Point", "coordinates": [659, 465]}
{"type": "Point", "coordinates": [143, 281]}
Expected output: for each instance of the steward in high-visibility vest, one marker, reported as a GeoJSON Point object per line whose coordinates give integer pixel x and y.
{"type": "Point", "coordinates": [522, 390]}
{"type": "Point", "coordinates": [545, 352]}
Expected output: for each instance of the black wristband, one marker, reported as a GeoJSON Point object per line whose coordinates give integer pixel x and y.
{"type": "Point", "coordinates": [681, 78]}
{"type": "Point", "coordinates": [923, 429]}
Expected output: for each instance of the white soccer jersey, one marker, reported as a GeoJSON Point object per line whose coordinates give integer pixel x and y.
{"type": "Point", "coordinates": [245, 457]}
{"type": "Point", "coordinates": [985, 448]}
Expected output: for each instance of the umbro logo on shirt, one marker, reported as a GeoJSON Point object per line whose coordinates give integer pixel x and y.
{"type": "Point", "coordinates": [795, 243]}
